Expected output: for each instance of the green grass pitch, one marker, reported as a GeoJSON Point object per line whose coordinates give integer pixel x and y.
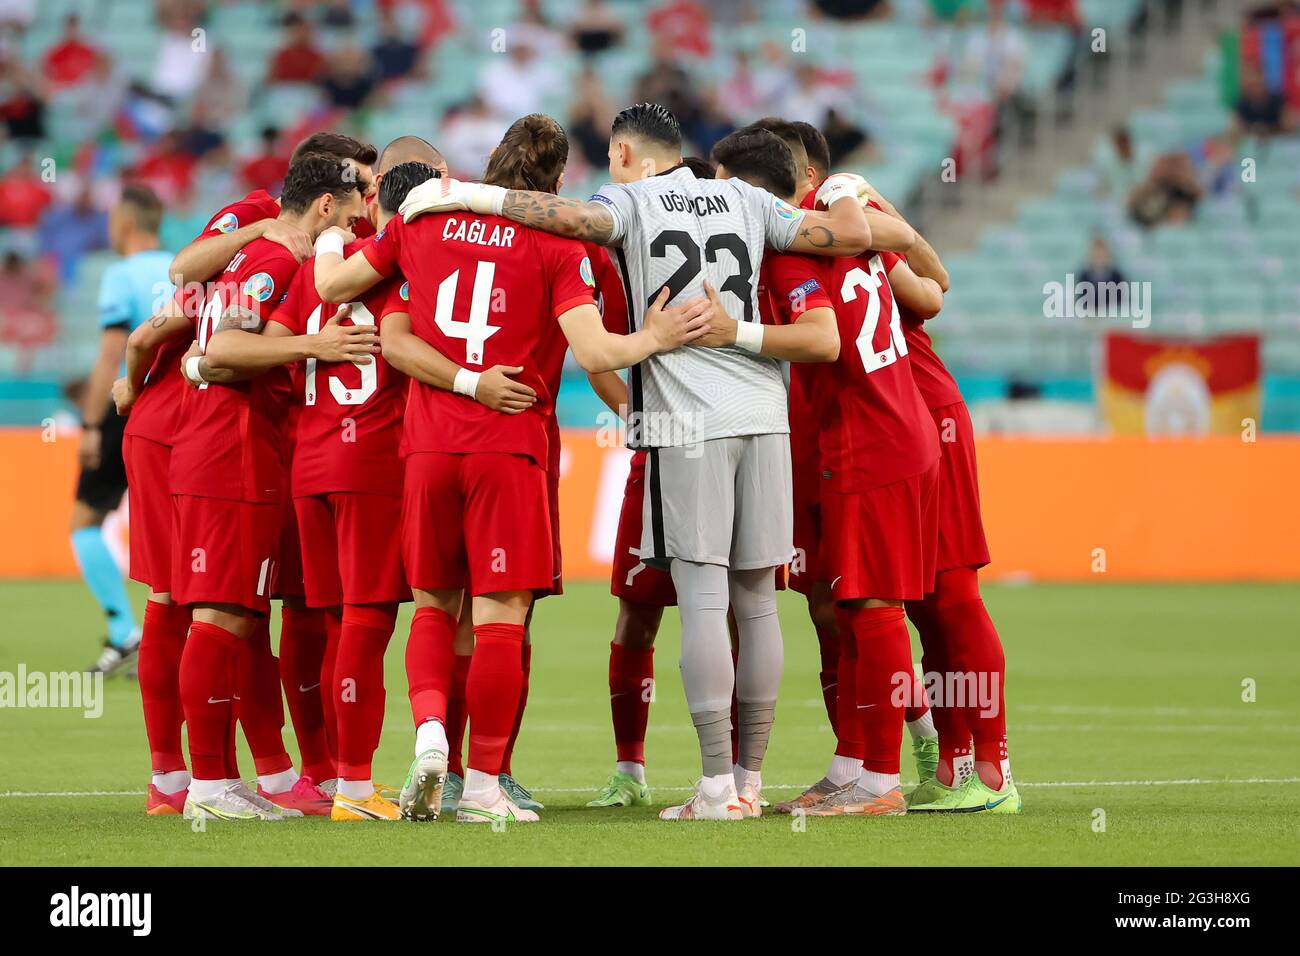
{"type": "Point", "coordinates": [1124, 702]}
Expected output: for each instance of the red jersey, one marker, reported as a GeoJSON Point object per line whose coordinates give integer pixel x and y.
{"type": "Point", "coordinates": [875, 428]}
{"type": "Point", "coordinates": [805, 453]}
{"type": "Point", "coordinates": [155, 414]}
{"type": "Point", "coordinates": [350, 420]}
{"type": "Point", "coordinates": [231, 439]}
{"type": "Point", "coordinates": [936, 384]}
{"type": "Point", "coordinates": [485, 291]}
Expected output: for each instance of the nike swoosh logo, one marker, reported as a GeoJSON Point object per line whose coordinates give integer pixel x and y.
{"type": "Point", "coordinates": [865, 706]}
{"type": "Point", "coordinates": [836, 581]}
{"type": "Point", "coordinates": [303, 690]}
{"type": "Point", "coordinates": [990, 804]}
{"type": "Point", "coordinates": [224, 700]}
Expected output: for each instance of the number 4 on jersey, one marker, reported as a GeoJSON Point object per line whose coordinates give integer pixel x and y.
{"type": "Point", "coordinates": [476, 331]}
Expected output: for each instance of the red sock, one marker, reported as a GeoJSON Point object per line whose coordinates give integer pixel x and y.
{"type": "Point", "coordinates": [302, 656]}
{"type": "Point", "coordinates": [975, 653]}
{"type": "Point", "coordinates": [231, 755]}
{"type": "Point", "coordinates": [631, 677]}
{"type": "Point", "coordinates": [884, 658]}
{"type": "Point", "coordinates": [429, 663]}
{"type": "Point", "coordinates": [207, 683]}
{"type": "Point", "coordinates": [258, 708]}
{"type": "Point", "coordinates": [526, 660]}
{"type": "Point", "coordinates": [359, 685]}
{"type": "Point", "coordinates": [457, 714]}
{"type": "Point", "coordinates": [828, 644]}
{"type": "Point", "coordinates": [333, 634]}
{"type": "Point", "coordinates": [949, 721]}
{"type": "Point", "coordinates": [917, 706]}
{"type": "Point", "coordinates": [492, 692]}
{"type": "Point", "coordinates": [848, 729]}
{"type": "Point", "coordinates": [162, 641]}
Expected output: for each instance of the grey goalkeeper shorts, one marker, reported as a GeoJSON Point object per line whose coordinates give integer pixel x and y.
{"type": "Point", "coordinates": [726, 501]}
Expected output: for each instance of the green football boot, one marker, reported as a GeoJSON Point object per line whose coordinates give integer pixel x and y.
{"type": "Point", "coordinates": [925, 751]}
{"type": "Point", "coordinates": [519, 794]}
{"type": "Point", "coordinates": [622, 790]}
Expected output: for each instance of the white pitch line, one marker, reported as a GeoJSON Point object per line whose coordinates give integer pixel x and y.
{"type": "Point", "coordinates": [1190, 782]}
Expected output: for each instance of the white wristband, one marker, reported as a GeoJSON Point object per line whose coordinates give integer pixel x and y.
{"type": "Point", "coordinates": [749, 336]}
{"type": "Point", "coordinates": [835, 189]}
{"type": "Point", "coordinates": [192, 370]}
{"type": "Point", "coordinates": [466, 383]}
{"type": "Point", "coordinates": [486, 199]}
{"type": "Point", "coordinates": [329, 242]}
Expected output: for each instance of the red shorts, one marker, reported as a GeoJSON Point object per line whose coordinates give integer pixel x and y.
{"type": "Point", "coordinates": [225, 551]}
{"type": "Point", "coordinates": [804, 569]}
{"type": "Point", "coordinates": [632, 579]}
{"type": "Point", "coordinates": [151, 532]}
{"type": "Point", "coordinates": [352, 549]}
{"type": "Point", "coordinates": [961, 531]}
{"type": "Point", "coordinates": [484, 517]}
{"type": "Point", "coordinates": [288, 575]}
{"type": "Point", "coordinates": [881, 543]}
{"type": "Point", "coordinates": [557, 558]}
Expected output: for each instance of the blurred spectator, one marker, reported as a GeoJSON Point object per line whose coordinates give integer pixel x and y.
{"type": "Point", "coordinates": [1261, 111]}
{"type": "Point", "coordinates": [596, 27]}
{"type": "Point", "coordinates": [1053, 13]}
{"type": "Point", "coordinates": [27, 319]}
{"type": "Point", "coordinates": [204, 132]}
{"type": "Point", "coordinates": [992, 66]}
{"type": "Point", "coordinates": [183, 57]}
{"type": "Point", "coordinates": [22, 104]}
{"type": "Point", "coordinates": [266, 169]}
{"type": "Point", "coordinates": [337, 14]}
{"type": "Point", "coordinates": [590, 116]}
{"type": "Point", "coordinates": [1118, 165]}
{"type": "Point", "coordinates": [517, 82]}
{"type": "Point", "coordinates": [683, 26]}
{"type": "Point", "coordinates": [812, 96]}
{"type": "Point", "coordinates": [23, 195]}
{"type": "Point", "coordinates": [708, 124]}
{"type": "Point", "coordinates": [1216, 165]}
{"type": "Point", "coordinates": [349, 79]}
{"type": "Point", "coordinates": [72, 59]}
{"type": "Point", "coordinates": [167, 168]}
{"type": "Point", "coordinates": [298, 60]}
{"type": "Point", "coordinates": [17, 14]}
{"type": "Point", "coordinates": [852, 9]}
{"type": "Point", "coordinates": [223, 98]}
{"type": "Point", "coordinates": [756, 82]}
{"type": "Point", "coordinates": [468, 136]}
{"type": "Point", "coordinates": [534, 30]}
{"type": "Point", "coordinates": [69, 230]}
{"type": "Point", "coordinates": [1101, 269]}
{"type": "Point", "coordinates": [91, 106]}
{"type": "Point", "coordinates": [1168, 194]}
{"type": "Point", "coordinates": [849, 145]}
{"type": "Point", "coordinates": [394, 56]}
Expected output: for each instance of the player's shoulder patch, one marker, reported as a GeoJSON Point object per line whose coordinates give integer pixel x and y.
{"type": "Point", "coordinates": [584, 270]}
{"type": "Point", "coordinates": [597, 197]}
{"type": "Point", "coordinates": [227, 222]}
{"type": "Point", "coordinates": [380, 234]}
{"type": "Point", "coordinates": [805, 290]}
{"type": "Point", "coordinates": [260, 287]}
{"type": "Point", "coordinates": [405, 291]}
{"type": "Point", "coordinates": [784, 210]}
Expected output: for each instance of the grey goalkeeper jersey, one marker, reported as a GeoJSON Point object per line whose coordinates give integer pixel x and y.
{"type": "Point", "coordinates": [675, 230]}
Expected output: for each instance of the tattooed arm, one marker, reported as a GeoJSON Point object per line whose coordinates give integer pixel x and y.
{"type": "Point", "coordinates": [842, 230]}
{"type": "Point", "coordinates": [572, 218]}
{"type": "Point", "coordinates": [142, 347]}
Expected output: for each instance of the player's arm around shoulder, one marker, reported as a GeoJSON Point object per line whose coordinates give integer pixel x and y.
{"type": "Point", "coordinates": [804, 331]}
{"type": "Point", "coordinates": [921, 294]}
{"type": "Point", "coordinates": [841, 230]}
{"type": "Point", "coordinates": [665, 328]}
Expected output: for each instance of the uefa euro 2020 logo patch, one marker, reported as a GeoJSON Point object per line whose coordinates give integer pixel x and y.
{"type": "Point", "coordinates": [405, 291]}
{"type": "Point", "coordinates": [584, 270]}
{"type": "Point", "coordinates": [227, 223]}
{"type": "Point", "coordinates": [785, 210]}
{"type": "Point", "coordinates": [259, 287]}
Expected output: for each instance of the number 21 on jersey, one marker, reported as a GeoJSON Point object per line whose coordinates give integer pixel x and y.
{"type": "Point", "coordinates": [858, 279]}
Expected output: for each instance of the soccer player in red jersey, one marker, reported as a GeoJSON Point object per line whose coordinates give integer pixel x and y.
{"type": "Point", "coordinates": [963, 654]}
{"type": "Point", "coordinates": [227, 477]}
{"type": "Point", "coordinates": [476, 513]}
{"type": "Point", "coordinates": [153, 358]}
{"type": "Point", "coordinates": [879, 458]}
{"type": "Point", "coordinates": [346, 486]}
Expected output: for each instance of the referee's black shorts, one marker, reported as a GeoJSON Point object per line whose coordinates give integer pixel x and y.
{"type": "Point", "coordinates": [102, 488]}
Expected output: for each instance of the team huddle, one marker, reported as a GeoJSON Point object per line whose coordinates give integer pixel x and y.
{"type": "Point", "coordinates": [349, 403]}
